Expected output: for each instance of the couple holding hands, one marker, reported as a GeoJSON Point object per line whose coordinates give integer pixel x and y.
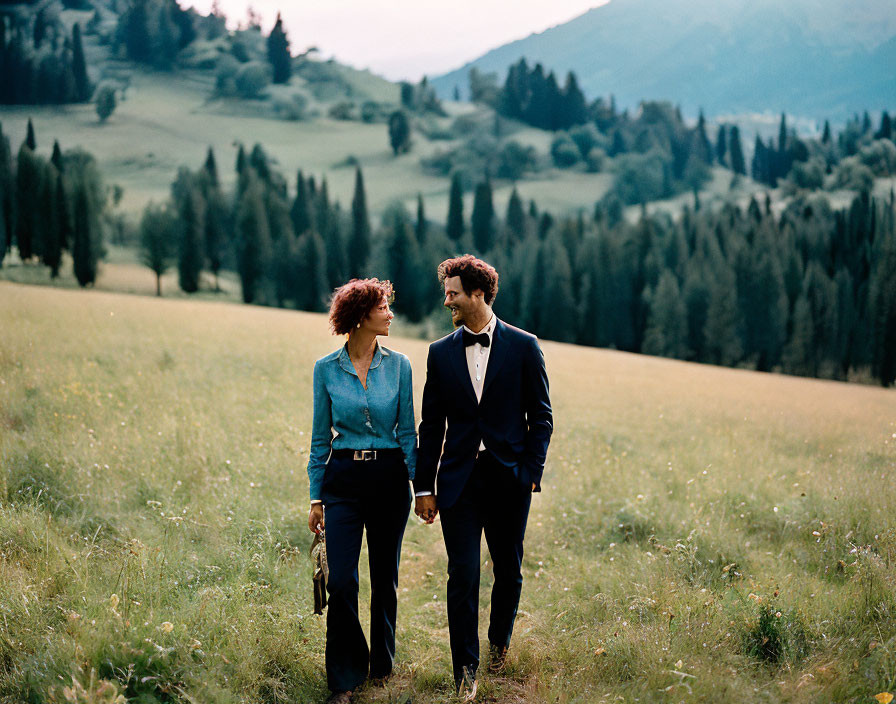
{"type": "Point", "coordinates": [484, 431]}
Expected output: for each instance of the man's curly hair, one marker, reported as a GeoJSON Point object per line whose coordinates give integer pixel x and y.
{"type": "Point", "coordinates": [352, 302]}
{"type": "Point", "coordinates": [474, 274]}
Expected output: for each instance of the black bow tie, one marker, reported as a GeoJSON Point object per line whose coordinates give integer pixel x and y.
{"type": "Point", "coordinates": [471, 339]}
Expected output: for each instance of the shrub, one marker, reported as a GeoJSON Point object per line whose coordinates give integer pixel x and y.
{"type": "Point", "coordinates": [344, 110]}
{"type": "Point", "coordinates": [586, 137]}
{"type": "Point", "coordinates": [776, 636]}
{"type": "Point", "coordinates": [595, 160]}
{"type": "Point", "coordinates": [564, 151]}
{"type": "Point", "coordinates": [880, 157]}
{"type": "Point", "coordinates": [371, 111]}
{"type": "Point", "coordinates": [293, 107]}
{"type": "Point", "coordinates": [514, 160]}
{"type": "Point", "coordinates": [854, 175]}
{"type": "Point", "coordinates": [225, 75]}
{"type": "Point", "coordinates": [105, 101]}
{"type": "Point", "coordinates": [808, 174]}
{"type": "Point", "coordinates": [251, 79]}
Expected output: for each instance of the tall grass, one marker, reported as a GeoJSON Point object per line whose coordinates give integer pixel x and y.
{"type": "Point", "coordinates": [703, 533]}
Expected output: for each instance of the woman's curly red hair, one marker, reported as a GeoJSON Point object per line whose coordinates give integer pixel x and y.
{"type": "Point", "coordinates": [352, 302]}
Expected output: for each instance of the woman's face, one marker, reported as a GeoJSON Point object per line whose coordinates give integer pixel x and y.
{"type": "Point", "coordinates": [378, 319]}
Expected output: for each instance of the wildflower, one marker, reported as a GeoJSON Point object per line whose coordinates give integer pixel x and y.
{"type": "Point", "coordinates": [679, 665]}
{"type": "Point", "coordinates": [884, 697]}
{"type": "Point", "coordinates": [166, 627]}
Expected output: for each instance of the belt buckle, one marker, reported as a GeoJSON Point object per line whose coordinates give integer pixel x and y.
{"type": "Point", "coordinates": [364, 455]}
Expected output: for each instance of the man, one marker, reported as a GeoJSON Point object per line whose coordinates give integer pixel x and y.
{"type": "Point", "coordinates": [484, 432]}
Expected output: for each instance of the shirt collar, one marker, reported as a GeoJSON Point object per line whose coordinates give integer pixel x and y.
{"type": "Point", "coordinates": [489, 328]}
{"type": "Point", "coordinates": [345, 360]}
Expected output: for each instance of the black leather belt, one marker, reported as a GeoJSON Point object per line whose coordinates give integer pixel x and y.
{"type": "Point", "coordinates": [367, 455]}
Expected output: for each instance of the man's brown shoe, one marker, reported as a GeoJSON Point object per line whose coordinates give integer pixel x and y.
{"type": "Point", "coordinates": [467, 686]}
{"type": "Point", "coordinates": [497, 658]}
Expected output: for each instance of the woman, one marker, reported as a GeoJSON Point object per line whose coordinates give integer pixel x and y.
{"type": "Point", "coordinates": [360, 474]}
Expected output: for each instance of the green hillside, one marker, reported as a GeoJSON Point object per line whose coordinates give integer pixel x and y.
{"type": "Point", "coordinates": [703, 532]}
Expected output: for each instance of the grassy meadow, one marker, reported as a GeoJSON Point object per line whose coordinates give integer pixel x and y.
{"type": "Point", "coordinates": [703, 534]}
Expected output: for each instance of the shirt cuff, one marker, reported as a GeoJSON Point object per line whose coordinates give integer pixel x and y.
{"type": "Point", "coordinates": [316, 501]}
{"type": "Point", "coordinates": [423, 493]}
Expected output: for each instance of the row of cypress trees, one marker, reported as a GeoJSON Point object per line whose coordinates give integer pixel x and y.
{"type": "Point", "coordinates": [42, 66]}
{"type": "Point", "coordinates": [51, 206]}
{"type": "Point", "coordinates": [810, 292]}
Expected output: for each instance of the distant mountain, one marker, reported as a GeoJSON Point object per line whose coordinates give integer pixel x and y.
{"type": "Point", "coordinates": [816, 58]}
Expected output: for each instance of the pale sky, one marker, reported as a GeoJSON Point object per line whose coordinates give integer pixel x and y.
{"type": "Point", "coordinates": [405, 39]}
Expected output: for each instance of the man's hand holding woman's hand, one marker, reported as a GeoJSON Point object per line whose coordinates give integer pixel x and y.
{"type": "Point", "coordinates": [316, 518]}
{"type": "Point", "coordinates": [425, 508]}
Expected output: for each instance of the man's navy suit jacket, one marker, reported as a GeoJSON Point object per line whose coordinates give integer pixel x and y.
{"type": "Point", "coordinates": [513, 418]}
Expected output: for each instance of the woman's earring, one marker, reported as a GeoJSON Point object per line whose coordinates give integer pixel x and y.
{"type": "Point", "coordinates": [358, 325]}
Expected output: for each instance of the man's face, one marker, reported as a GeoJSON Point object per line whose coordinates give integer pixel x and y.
{"type": "Point", "coordinates": [459, 303]}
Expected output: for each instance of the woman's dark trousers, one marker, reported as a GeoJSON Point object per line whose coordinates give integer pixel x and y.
{"type": "Point", "coordinates": [358, 495]}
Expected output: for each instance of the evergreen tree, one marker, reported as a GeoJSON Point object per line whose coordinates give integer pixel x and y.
{"type": "Point", "coordinates": [401, 262]}
{"type": "Point", "coordinates": [134, 32]}
{"type": "Point", "coordinates": [254, 255]}
{"type": "Point", "coordinates": [300, 211]}
{"type": "Point", "coordinates": [7, 191]}
{"type": "Point", "coordinates": [515, 218]}
{"type": "Point", "coordinates": [79, 67]}
{"type": "Point", "coordinates": [359, 240]}
{"type": "Point", "coordinates": [49, 216]}
{"type": "Point", "coordinates": [575, 110]}
{"type": "Point", "coordinates": [886, 127]}
{"type": "Point", "coordinates": [278, 53]}
{"type": "Point", "coordinates": [704, 148]}
{"type": "Point", "coordinates": [798, 350]}
{"type": "Point", "coordinates": [310, 280]}
{"type": "Point", "coordinates": [695, 295]}
{"type": "Point", "coordinates": [61, 212]}
{"type": "Point", "coordinates": [722, 145]}
{"type": "Point", "coordinates": [556, 309]}
{"type": "Point", "coordinates": [826, 133]}
{"type": "Point", "coordinates": [211, 168]}
{"type": "Point", "coordinates": [666, 331]}
{"type": "Point", "coordinates": [421, 226]}
{"type": "Point", "coordinates": [30, 141]}
{"type": "Point", "coordinates": [722, 341]}
{"type": "Point", "coordinates": [27, 184]}
{"type": "Point", "coordinates": [482, 218]}
{"type": "Point", "coordinates": [738, 164]}
{"type": "Point", "coordinates": [882, 297]}
{"type": "Point", "coordinates": [455, 223]}
{"type": "Point", "coordinates": [190, 208]}
{"type": "Point", "coordinates": [399, 132]}
{"type": "Point", "coordinates": [87, 244]}
{"type": "Point", "coordinates": [158, 231]}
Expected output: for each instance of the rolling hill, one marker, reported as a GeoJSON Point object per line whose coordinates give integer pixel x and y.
{"type": "Point", "coordinates": [825, 59]}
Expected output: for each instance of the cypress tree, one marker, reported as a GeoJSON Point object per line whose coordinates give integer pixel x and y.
{"type": "Point", "coordinates": [30, 141]}
{"type": "Point", "coordinates": [359, 240]}
{"type": "Point", "coordinates": [79, 67]}
{"type": "Point", "coordinates": [420, 226]}
{"type": "Point", "coordinates": [401, 262]}
{"type": "Point", "coordinates": [516, 217]}
{"type": "Point", "coordinates": [254, 255]}
{"type": "Point", "coordinates": [704, 148]}
{"type": "Point", "coordinates": [826, 133]}
{"type": "Point", "coordinates": [157, 233]}
{"type": "Point", "coordinates": [311, 285]}
{"type": "Point", "coordinates": [666, 330]}
{"type": "Point", "coordinates": [211, 168]}
{"type": "Point", "coordinates": [738, 164]}
{"type": "Point", "coordinates": [278, 53]}
{"type": "Point", "coordinates": [87, 243]}
{"type": "Point", "coordinates": [455, 224]}
{"type": "Point", "coordinates": [722, 145]}
{"type": "Point", "coordinates": [575, 107]}
{"type": "Point", "coordinates": [49, 216]}
{"type": "Point", "coordinates": [62, 212]}
{"type": "Point", "coordinates": [300, 211]}
{"type": "Point", "coordinates": [27, 185]}
{"type": "Point", "coordinates": [7, 192]}
{"type": "Point", "coordinates": [798, 350]}
{"type": "Point", "coordinates": [482, 218]}
{"type": "Point", "coordinates": [190, 207]}
{"type": "Point", "coordinates": [721, 339]}
{"type": "Point", "coordinates": [886, 127]}
{"type": "Point", "coordinates": [399, 132]}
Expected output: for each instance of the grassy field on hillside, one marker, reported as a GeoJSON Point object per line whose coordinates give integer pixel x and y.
{"type": "Point", "coordinates": [703, 534]}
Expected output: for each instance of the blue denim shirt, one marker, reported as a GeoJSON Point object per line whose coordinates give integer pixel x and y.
{"type": "Point", "coordinates": [380, 417]}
